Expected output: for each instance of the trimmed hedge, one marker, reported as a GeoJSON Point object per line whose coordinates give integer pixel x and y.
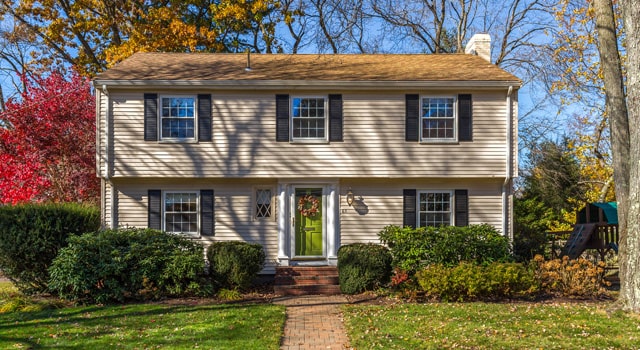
{"type": "Point", "coordinates": [363, 267]}
{"type": "Point", "coordinates": [413, 249]}
{"type": "Point", "coordinates": [468, 281]}
{"type": "Point", "coordinates": [32, 234]}
{"type": "Point", "coordinates": [116, 265]}
{"type": "Point", "coordinates": [234, 264]}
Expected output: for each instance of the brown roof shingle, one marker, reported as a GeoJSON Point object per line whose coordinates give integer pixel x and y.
{"type": "Point", "coordinates": [306, 67]}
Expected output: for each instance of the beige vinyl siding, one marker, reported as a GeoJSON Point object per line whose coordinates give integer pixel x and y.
{"type": "Point", "coordinates": [244, 141]}
{"type": "Point", "coordinates": [233, 209]}
{"type": "Point", "coordinates": [382, 201]}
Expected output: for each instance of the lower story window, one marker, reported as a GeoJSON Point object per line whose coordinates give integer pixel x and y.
{"type": "Point", "coordinates": [181, 212]}
{"type": "Point", "coordinates": [434, 208]}
{"type": "Point", "coordinates": [264, 206]}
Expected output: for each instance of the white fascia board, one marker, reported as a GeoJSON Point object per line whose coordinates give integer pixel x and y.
{"type": "Point", "coordinates": [304, 84]}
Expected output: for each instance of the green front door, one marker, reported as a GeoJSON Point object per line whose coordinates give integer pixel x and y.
{"type": "Point", "coordinates": [308, 222]}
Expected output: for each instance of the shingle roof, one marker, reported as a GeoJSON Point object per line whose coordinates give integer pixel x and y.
{"type": "Point", "coordinates": [305, 67]}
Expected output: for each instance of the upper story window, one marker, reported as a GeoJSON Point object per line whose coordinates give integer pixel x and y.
{"type": "Point", "coordinates": [177, 117]}
{"type": "Point", "coordinates": [435, 208]}
{"type": "Point", "coordinates": [181, 212]}
{"type": "Point", "coordinates": [438, 118]}
{"type": "Point", "coordinates": [308, 118]}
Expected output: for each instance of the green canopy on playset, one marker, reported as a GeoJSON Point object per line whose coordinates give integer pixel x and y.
{"type": "Point", "coordinates": [610, 211]}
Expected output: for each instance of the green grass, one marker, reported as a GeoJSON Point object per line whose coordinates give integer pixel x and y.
{"type": "Point", "coordinates": [491, 326]}
{"type": "Point", "coordinates": [7, 288]}
{"type": "Point", "coordinates": [145, 326]}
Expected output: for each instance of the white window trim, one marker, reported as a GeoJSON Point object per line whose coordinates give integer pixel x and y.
{"type": "Point", "coordinates": [455, 120]}
{"type": "Point", "coordinates": [195, 120]}
{"type": "Point", "coordinates": [164, 216]}
{"type": "Point", "coordinates": [452, 204]}
{"type": "Point", "coordinates": [254, 203]}
{"type": "Point", "coordinates": [325, 139]}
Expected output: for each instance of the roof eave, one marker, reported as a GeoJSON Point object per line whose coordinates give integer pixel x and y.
{"type": "Point", "coordinates": [306, 84]}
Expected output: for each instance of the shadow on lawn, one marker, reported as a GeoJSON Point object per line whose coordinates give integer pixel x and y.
{"type": "Point", "coordinates": [176, 326]}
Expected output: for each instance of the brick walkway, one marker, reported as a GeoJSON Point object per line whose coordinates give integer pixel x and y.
{"type": "Point", "coordinates": [313, 322]}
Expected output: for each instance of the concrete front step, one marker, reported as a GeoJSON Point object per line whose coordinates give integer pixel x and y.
{"type": "Point", "coordinates": [306, 280]}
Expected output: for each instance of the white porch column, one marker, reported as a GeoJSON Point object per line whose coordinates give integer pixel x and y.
{"type": "Point", "coordinates": [283, 226]}
{"type": "Point", "coordinates": [332, 225]}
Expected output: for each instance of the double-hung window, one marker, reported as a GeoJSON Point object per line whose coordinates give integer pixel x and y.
{"type": "Point", "coordinates": [309, 118]}
{"type": "Point", "coordinates": [181, 212]}
{"type": "Point", "coordinates": [438, 118]}
{"type": "Point", "coordinates": [435, 208]}
{"type": "Point", "coordinates": [178, 118]}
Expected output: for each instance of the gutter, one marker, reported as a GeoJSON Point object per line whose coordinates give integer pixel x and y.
{"type": "Point", "coordinates": [506, 186]}
{"type": "Point", "coordinates": [305, 84]}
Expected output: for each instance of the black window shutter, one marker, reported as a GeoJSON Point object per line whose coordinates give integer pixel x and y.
{"type": "Point", "coordinates": [207, 213]}
{"type": "Point", "coordinates": [409, 209]}
{"type": "Point", "coordinates": [204, 117]}
{"type": "Point", "coordinates": [412, 118]}
{"type": "Point", "coordinates": [465, 120]}
{"type": "Point", "coordinates": [462, 207]}
{"type": "Point", "coordinates": [282, 118]}
{"type": "Point", "coordinates": [150, 117]}
{"type": "Point", "coordinates": [155, 209]}
{"type": "Point", "coordinates": [335, 118]}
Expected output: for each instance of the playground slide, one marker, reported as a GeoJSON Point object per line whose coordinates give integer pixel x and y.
{"type": "Point", "coordinates": [578, 240]}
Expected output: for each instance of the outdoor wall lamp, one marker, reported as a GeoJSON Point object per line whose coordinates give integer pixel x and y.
{"type": "Point", "coordinates": [350, 197]}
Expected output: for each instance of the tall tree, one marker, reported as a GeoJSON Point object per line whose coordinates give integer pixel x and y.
{"type": "Point", "coordinates": [630, 244]}
{"type": "Point", "coordinates": [616, 111]}
{"type": "Point", "coordinates": [47, 142]}
{"type": "Point", "coordinates": [93, 34]}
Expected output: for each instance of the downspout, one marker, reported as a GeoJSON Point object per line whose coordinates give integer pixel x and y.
{"type": "Point", "coordinates": [506, 186]}
{"type": "Point", "coordinates": [107, 160]}
{"type": "Point", "coordinates": [99, 155]}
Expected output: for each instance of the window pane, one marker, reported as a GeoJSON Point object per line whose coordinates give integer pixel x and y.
{"type": "Point", "coordinates": [438, 118]}
{"type": "Point", "coordinates": [263, 203]}
{"type": "Point", "coordinates": [308, 118]}
{"type": "Point", "coordinates": [181, 212]}
{"type": "Point", "coordinates": [178, 117]}
{"type": "Point", "coordinates": [434, 208]}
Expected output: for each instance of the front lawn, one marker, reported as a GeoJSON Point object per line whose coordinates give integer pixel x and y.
{"type": "Point", "coordinates": [146, 326]}
{"type": "Point", "coordinates": [491, 326]}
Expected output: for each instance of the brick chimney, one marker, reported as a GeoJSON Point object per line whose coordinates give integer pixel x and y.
{"type": "Point", "coordinates": [479, 44]}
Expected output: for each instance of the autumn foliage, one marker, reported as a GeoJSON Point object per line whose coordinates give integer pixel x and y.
{"type": "Point", "coordinates": [47, 142]}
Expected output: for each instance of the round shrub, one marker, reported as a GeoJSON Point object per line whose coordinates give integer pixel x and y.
{"type": "Point", "coordinates": [234, 264]}
{"type": "Point", "coordinates": [363, 267]}
{"type": "Point", "coordinates": [32, 234]}
{"type": "Point", "coordinates": [130, 263]}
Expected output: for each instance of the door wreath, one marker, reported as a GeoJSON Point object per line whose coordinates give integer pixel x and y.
{"type": "Point", "coordinates": [308, 205]}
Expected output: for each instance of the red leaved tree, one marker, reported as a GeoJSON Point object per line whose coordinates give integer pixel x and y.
{"type": "Point", "coordinates": [47, 142]}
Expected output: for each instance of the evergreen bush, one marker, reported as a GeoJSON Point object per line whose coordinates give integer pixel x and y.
{"type": "Point", "coordinates": [235, 264]}
{"type": "Point", "coordinates": [32, 234]}
{"type": "Point", "coordinates": [413, 249]}
{"type": "Point", "coordinates": [130, 263]}
{"type": "Point", "coordinates": [363, 267]}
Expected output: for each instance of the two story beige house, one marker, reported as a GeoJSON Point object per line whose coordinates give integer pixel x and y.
{"type": "Point", "coordinates": [305, 153]}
